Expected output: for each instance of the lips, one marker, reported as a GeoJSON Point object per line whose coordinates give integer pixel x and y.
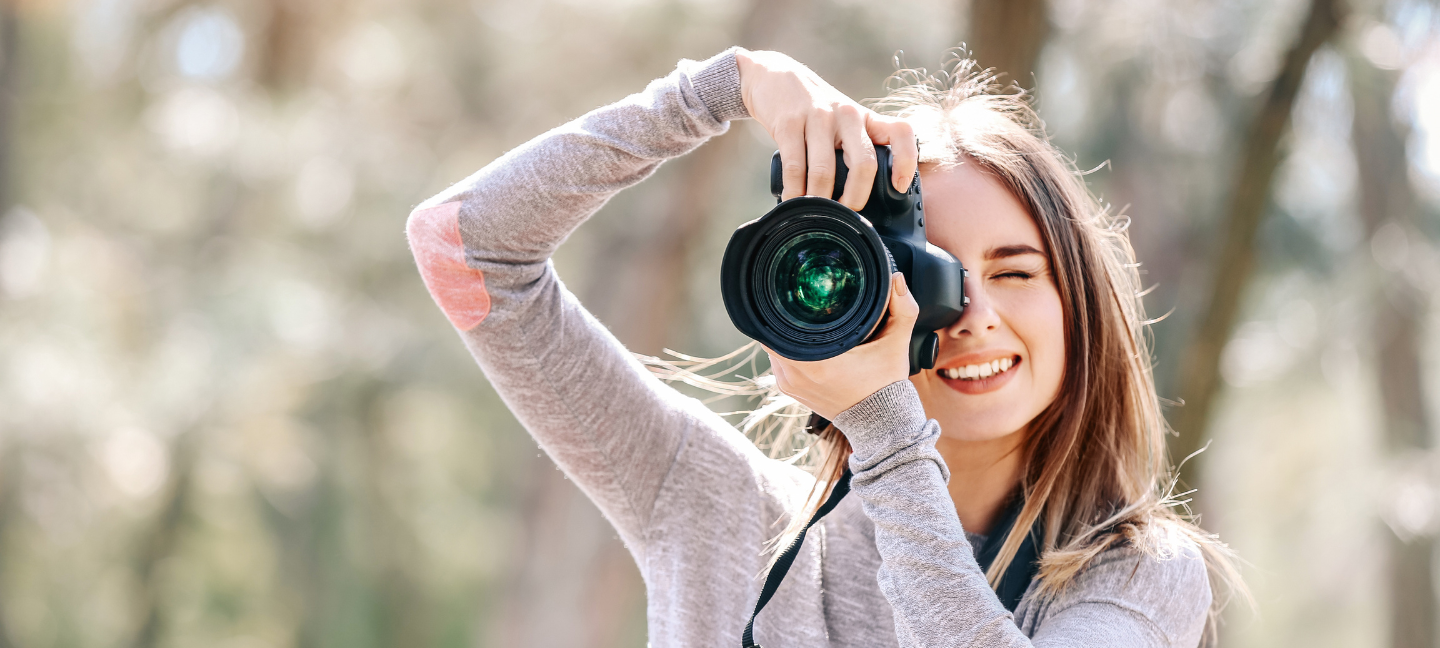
{"type": "Point", "coordinates": [980, 377]}
{"type": "Point", "coordinates": [980, 370]}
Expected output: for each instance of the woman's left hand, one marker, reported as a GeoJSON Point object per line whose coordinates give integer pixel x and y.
{"type": "Point", "coordinates": [829, 387]}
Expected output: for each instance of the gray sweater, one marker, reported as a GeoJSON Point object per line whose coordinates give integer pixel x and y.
{"type": "Point", "coordinates": [691, 497]}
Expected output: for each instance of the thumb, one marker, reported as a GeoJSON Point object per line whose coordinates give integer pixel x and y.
{"type": "Point", "coordinates": [903, 309]}
{"type": "Point", "coordinates": [902, 301]}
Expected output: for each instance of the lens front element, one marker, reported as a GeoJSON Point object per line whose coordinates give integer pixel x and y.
{"type": "Point", "coordinates": [815, 279]}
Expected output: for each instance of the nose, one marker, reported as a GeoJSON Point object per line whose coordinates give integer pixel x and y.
{"type": "Point", "coordinates": [979, 317]}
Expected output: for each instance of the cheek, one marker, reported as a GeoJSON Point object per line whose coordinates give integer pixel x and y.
{"type": "Point", "coordinates": [1038, 319]}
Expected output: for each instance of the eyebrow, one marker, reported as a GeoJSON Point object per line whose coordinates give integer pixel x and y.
{"type": "Point", "coordinates": [1006, 251]}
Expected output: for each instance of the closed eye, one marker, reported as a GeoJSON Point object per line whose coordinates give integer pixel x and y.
{"type": "Point", "coordinates": [1014, 274]}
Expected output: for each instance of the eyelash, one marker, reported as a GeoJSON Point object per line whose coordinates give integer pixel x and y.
{"type": "Point", "coordinates": [1015, 274]}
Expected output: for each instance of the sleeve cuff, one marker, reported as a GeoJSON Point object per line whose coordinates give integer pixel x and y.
{"type": "Point", "coordinates": [717, 82]}
{"type": "Point", "coordinates": [885, 422]}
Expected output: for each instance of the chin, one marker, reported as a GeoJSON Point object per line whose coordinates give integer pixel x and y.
{"type": "Point", "coordinates": [964, 427]}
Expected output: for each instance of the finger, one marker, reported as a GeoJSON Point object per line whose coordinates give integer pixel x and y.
{"type": "Point", "coordinates": [791, 142]}
{"type": "Point", "coordinates": [903, 310]}
{"type": "Point", "coordinates": [904, 151]}
{"type": "Point", "coordinates": [859, 156]}
{"type": "Point", "coordinates": [820, 152]}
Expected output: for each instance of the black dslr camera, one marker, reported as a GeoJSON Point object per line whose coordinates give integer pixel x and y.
{"type": "Point", "coordinates": [811, 279]}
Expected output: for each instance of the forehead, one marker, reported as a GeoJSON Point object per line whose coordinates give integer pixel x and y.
{"type": "Point", "coordinates": [969, 211]}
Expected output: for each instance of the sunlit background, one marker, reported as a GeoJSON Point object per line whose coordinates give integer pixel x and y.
{"type": "Point", "coordinates": [231, 416]}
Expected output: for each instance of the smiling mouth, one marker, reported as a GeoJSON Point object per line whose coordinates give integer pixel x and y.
{"type": "Point", "coordinates": [980, 371]}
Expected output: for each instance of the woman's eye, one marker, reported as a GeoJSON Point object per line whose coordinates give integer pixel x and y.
{"type": "Point", "coordinates": [1013, 274]}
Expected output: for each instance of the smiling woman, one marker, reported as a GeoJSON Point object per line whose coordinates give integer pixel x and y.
{"type": "Point", "coordinates": [1048, 421]}
{"type": "Point", "coordinates": [1016, 495]}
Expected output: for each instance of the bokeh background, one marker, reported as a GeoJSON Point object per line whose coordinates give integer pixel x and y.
{"type": "Point", "coordinates": [231, 416]}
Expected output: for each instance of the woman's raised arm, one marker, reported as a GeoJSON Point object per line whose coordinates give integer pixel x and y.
{"type": "Point", "coordinates": [483, 247]}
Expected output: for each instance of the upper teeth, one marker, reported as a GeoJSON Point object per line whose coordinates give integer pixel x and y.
{"type": "Point", "coordinates": [982, 370]}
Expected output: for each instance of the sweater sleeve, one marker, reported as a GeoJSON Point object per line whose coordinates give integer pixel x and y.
{"type": "Point", "coordinates": [928, 571]}
{"type": "Point", "coordinates": [483, 248]}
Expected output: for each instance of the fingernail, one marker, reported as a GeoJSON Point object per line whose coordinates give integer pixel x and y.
{"type": "Point", "coordinates": [899, 281]}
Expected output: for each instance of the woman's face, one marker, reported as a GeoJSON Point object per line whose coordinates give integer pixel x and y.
{"type": "Point", "coordinates": [1000, 365]}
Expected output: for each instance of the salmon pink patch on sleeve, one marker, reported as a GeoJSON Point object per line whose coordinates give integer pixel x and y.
{"type": "Point", "coordinates": [434, 234]}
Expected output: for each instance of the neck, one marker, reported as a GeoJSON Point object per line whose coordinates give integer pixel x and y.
{"type": "Point", "coordinates": [983, 474]}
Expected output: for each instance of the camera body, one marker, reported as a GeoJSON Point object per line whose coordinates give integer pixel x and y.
{"type": "Point", "coordinates": [811, 278]}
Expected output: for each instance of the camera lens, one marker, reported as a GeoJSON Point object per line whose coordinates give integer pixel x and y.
{"type": "Point", "coordinates": [815, 280]}
{"type": "Point", "coordinates": [806, 279]}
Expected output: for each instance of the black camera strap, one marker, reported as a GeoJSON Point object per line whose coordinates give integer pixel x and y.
{"type": "Point", "coordinates": [787, 557]}
{"type": "Point", "coordinates": [1026, 562]}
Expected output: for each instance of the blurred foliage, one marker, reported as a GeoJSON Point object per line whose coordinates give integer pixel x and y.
{"type": "Point", "coordinates": [231, 416]}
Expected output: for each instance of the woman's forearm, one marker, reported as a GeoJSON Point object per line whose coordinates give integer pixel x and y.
{"type": "Point", "coordinates": [520, 207]}
{"type": "Point", "coordinates": [929, 575]}
{"type": "Point", "coordinates": [928, 570]}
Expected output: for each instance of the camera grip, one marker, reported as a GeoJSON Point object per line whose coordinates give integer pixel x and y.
{"type": "Point", "coordinates": [924, 348]}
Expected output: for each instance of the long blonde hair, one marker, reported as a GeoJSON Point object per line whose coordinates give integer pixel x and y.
{"type": "Point", "coordinates": [1097, 474]}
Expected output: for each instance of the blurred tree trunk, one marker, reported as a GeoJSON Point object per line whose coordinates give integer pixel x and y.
{"type": "Point", "coordinates": [1008, 35]}
{"type": "Point", "coordinates": [654, 300]}
{"type": "Point", "coordinates": [10, 452]}
{"type": "Point", "coordinates": [1234, 260]}
{"type": "Point", "coordinates": [9, 86]}
{"type": "Point", "coordinates": [1387, 200]}
{"type": "Point", "coordinates": [287, 45]}
{"type": "Point", "coordinates": [161, 541]}
{"type": "Point", "coordinates": [402, 614]}
{"type": "Point", "coordinates": [9, 511]}
{"type": "Point", "coordinates": [394, 605]}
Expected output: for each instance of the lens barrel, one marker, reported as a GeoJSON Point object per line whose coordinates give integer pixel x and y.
{"type": "Point", "coordinates": [809, 281]}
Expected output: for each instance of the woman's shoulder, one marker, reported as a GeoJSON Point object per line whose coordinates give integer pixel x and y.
{"type": "Point", "coordinates": [1160, 575]}
{"type": "Point", "coordinates": [1166, 558]}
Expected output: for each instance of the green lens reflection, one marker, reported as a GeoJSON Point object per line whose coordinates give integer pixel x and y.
{"type": "Point", "coordinates": [816, 279]}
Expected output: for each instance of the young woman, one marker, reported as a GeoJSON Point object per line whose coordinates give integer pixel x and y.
{"type": "Point", "coordinates": [1041, 404]}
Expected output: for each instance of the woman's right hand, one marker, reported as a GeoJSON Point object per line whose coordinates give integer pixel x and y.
{"type": "Point", "coordinates": [809, 119]}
